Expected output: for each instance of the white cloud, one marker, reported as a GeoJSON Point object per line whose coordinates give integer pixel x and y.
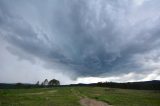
{"type": "Point", "coordinates": [139, 2]}
{"type": "Point", "coordinates": [13, 70]}
{"type": "Point", "coordinates": [129, 77]}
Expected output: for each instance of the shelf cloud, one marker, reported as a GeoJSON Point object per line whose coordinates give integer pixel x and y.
{"type": "Point", "coordinates": [97, 39]}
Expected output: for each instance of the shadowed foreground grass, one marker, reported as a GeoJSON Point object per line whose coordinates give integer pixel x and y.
{"type": "Point", "coordinates": [70, 96]}
{"type": "Point", "coordinates": [123, 97]}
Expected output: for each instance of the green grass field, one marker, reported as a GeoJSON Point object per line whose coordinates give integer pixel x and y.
{"type": "Point", "coordinates": [70, 96]}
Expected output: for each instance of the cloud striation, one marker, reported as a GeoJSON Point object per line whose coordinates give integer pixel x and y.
{"type": "Point", "coordinates": [88, 38]}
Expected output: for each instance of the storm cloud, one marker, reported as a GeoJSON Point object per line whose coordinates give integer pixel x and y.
{"type": "Point", "coordinates": [88, 38]}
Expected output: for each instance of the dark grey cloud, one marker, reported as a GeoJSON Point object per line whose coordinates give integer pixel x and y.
{"type": "Point", "coordinates": [90, 37]}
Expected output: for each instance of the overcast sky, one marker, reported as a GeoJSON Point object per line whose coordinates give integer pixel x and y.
{"type": "Point", "coordinates": [79, 41]}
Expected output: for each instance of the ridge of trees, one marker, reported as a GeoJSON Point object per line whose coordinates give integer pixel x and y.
{"type": "Point", "coordinates": [52, 82]}
{"type": "Point", "coordinates": [144, 85]}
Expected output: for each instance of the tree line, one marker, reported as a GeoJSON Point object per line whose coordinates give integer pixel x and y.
{"type": "Point", "coordinates": [45, 83]}
{"type": "Point", "coordinates": [144, 85]}
{"type": "Point", "coordinates": [52, 82]}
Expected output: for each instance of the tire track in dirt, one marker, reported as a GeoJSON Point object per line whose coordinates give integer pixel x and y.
{"type": "Point", "coordinates": [92, 102]}
{"type": "Point", "coordinates": [84, 101]}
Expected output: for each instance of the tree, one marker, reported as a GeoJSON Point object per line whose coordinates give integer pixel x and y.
{"type": "Point", "coordinates": [37, 83]}
{"type": "Point", "coordinates": [53, 82]}
{"type": "Point", "coordinates": [45, 82]}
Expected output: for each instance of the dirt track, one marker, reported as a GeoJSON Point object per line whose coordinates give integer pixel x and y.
{"type": "Point", "coordinates": [92, 102]}
{"type": "Point", "coordinates": [85, 101]}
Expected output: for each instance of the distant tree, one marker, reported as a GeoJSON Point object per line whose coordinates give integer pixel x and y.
{"type": "Point", "coordinates": [53, 82]}
{"type": "Point", "coordinates": [45, 82]}
{"type": "Point", "coordinates": [19, 84]}
{"type": "Point", "coordinates": [100, 83]}
{"type": "Point", "coordinates": [37, 83]}
{"type": "Point", "coordinates": [41, 84]}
